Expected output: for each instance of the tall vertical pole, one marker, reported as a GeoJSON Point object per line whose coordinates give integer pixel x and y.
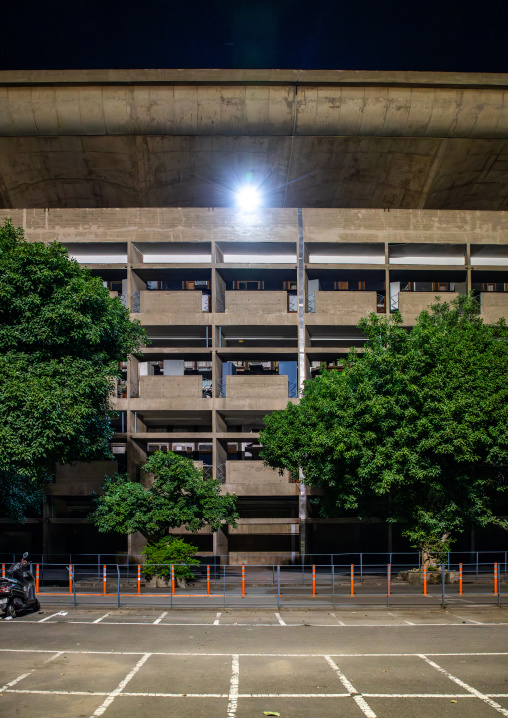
{"type": "Point", "coordinates": [313, 580]}
{"type": "Point", "coordinates": [172, 579]}
{"type": "Point", "coordinates": [389, 577]}
{"type": "Point", "coordinates": [37, 579]}
{"type": "Point", "coordinates": [3, 570]}
{"type": "Point", "coordinates": [495, 578]}
{"type": "Point", "coordinates": [301, 366]}
{"type": "Point", "coordinates": [352, 579]}
{"type": "Point", "coordinates": [243, 581]}
{"type": "Point", "coordinates": [104, 578]}
{"type": "Point", "coordinates": [139, 578]}
{"type": "Point", "coordinates": [278, 580]}
{"type": "Point", "coordinates": [70, 578]}
{"type": "Point", "coordinates": [208, 580]}
{"type": "Point", "coordinates": [333, 586]}
{"type": "Point", "coordinates": [443, 585]}
{"type": "Point", "coordinates": [424, 579]}
{"type": "Point", "coordinates": [460, 578]}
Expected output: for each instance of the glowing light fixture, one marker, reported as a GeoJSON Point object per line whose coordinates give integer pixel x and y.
{"type": "Point", "coordinates": [248, 198]}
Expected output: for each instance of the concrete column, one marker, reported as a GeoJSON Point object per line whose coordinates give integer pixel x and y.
{"type": "Point", "coordinates": [221, 545]}
{"type": "Point", "coordinates": [301, 365]}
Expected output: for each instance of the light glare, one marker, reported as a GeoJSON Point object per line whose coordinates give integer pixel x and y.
{"type": "Point", "coordinates": [248, 198]}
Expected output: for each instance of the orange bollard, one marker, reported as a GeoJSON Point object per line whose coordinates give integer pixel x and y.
{"type": "Point", "coordinates": [278, 580]}
{"type": "Point", "coordinates": [495, 578]}
{"type": "Point", "coordinates": [70, 578]}
{"type": "Point", "coordinates": [313, 580]}
{"type": "Point", "coordinates": [243, 581]}
{"type": "Point", "coordinates": [172, 579]}
{"type": "Point", "coordinates": [104, 579]}
{"type": "Point", "coordinates": [37, 578]}
{"type": "Point", "coordinates": [208, 580]}
{"type": "Point", "coordinates": [352, 579]}
{"type": "Point", "coordinates": [3, 570]}
{"type": "Point", "coordinates": [460, 578]}
{"type": "Point", "coordinates": [389, 579]}
{"type": "Point", "coordinates": [139, 579]}
{"type": "Point", "coordinates": [425, 580]}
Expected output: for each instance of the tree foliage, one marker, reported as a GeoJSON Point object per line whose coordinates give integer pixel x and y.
{"type": "Point", "coordinates": [415, 429]}
{"type": "Point", "coordinates": [170, 550]}
{"type": "Point", "coordinates": [61, 338]}
{"type": "Point", "coordinates": [179, 495]}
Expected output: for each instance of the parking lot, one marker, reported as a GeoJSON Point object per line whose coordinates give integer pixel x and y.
{"type": "Point", "coordinates": [86, 663]}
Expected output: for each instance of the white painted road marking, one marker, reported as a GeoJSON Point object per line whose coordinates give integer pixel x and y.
{"type": "Point", "coordinates": [158, 620]}
{"type": "Point", "coordinates": [466, 686]}
{"type": "Point", "coordinates": [359, 700]}
{"type": "Point", "coordinates": [98, 620]}
{"type": "Point", "coordinates": [111, 697]}
{"type": "Point", "coordinates": [233, 687]}
{"type": "Point", "coordinates": [16, 680]}
{"type": "Point", "coordinates": [341, 623]}
{"type": "Point", "coordinates": [42, 620]}
{"type": "Point", "coordinates": [282, 623]}
{"type": "Point", "coordinates": [216, 622]}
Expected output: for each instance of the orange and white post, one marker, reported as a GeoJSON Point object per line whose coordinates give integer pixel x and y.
{"type": "Point", "coordinates": [425, 580]}
{"type": "Point", "coordinates": [352, 579]}
{"type": "Point", "coordinates": [172, 579]}
{"type": "Point", "coordinates": [37, 578]}
{"type": "Point", "coordinates": [208, 580]}
{"type": "Point", "coordinates": [139, 579]}
{"type": "Point", "coordinates": [104, 579]}
{"type": "Point", "coordinates": [243, 581]}
{"type": "Point", "coordinates": [389, 576]}
{"type": "Point", "coordinates": [313, 580]}
{"type": "Point", "coordinates": [70, 578]}
{"type": "Point", "coordinates": [495, 578]}
{"type": "Point", "coordinates": [460, 578]}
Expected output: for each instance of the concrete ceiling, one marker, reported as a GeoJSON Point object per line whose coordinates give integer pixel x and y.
{"type": "Point", "coordinates": [154, 138]}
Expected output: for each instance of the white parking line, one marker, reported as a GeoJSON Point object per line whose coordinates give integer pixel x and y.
{"type": "Point", "coordinates": [98, 620]}
{"type": "Point", "coordinates": [42, 620]}
{"type": "Point", "coordinates": [111, 697]}
{"type": "Point", "coordinates": [466, 686]}
{"type": "Point", "coordinates": [254, 655]}
{"type": "Point", "coordinates": [158, 620]}
{"type": "Point", "coordinates": [341, 623]}
{"type": "Point", "coordinates": [216, 622]}
{"type": "Point", "coordinates": [359, 700]}
{"type": "Point", "coordinates": [57, 655]}
{"type": "Point", "coordinates": [16, 680]}
{"type": "Point", "coordinates": [233, 687]}
{"type": "Point", "coordinates": [409, 623]}
{"type": "Point", "coordinates": [282, 623]}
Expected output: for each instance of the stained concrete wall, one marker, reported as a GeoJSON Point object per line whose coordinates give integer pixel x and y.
{"type": "Point", "coordinates": [175, 302]}
{"type": "Point", "coordinates": [168, 387]}
{"type": "Point", "coordinates": [256, 302]}
{"type": "Point", "coordinates": [348, 306]}
{"type": "Point", "coordinates": [412, 303]}
{"type": "Point", "coordinates": [257, 387]}
{"type": "Point", "coordinates": [494, 305]}
{"type": "Point", "coordinates": [80, 479]}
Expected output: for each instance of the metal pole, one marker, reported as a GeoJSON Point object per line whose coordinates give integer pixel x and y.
{"type": "Point", "coordinates": [424, 579]}
{"type": "Point", "coordinates": [243, 581]}
{"type": "Point", "coordinates": [37, 579]}
{"type": "Point", "coordinates": [495, 578]}
{"type": "Point", "coordinates": [361, 568]}
{"type": "Point", "coordinates": [172, 579]}
{"type": "Point", "coordinates": [388, 586]}
{"type": "Point", "coordinates": [104, 578]}
{"type": "Point", "coordinates": [73, 585]}
{"type": "Point", "coordinates": [313, 579]}
{"type": "Point", "coordinates": [224, 574]}
{"type": "Point", "coordinates": [118, 587]}
{"type": "Point", "coordinates": [443, 584]}
{"type": "Point", "coordinates": [208, 580]}
{"type": "Point", "coordinates": [273, 570]}
{"type": "Point", "coordinates": [352, 579]}
{"type": "Point", "coordinates": [460, 578]}
{"type": "Point", "coordinates": [70, 578]}
{"type": "Point", "coordinates": [333, 586]}
{"type": "Point", "coordinates": [278, 586]}
{"type": "Point", "coordinates": [448, 561]}
{"type": "Point", "coordinates": [139, 578]}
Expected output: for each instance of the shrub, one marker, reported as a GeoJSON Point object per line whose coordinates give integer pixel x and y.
{"type": "Point", "coordinates": [169, 550]}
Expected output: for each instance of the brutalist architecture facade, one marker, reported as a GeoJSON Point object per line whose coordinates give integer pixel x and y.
{"type": "Point", "coordinates": [379, 192]}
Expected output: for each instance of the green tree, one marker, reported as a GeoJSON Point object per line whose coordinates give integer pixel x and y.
{"type": "Point", "coordinates": [170, 550]}
{"type": "Point", "coordinates": [415, 429]}
{"type": "Point", "coordinates": [61, 339]}
{"type": "Point", "coordinates": [179, 494]}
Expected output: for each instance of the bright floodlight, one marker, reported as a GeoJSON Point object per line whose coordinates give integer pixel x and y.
{"type": "Point", "coordinates": [248, 198]}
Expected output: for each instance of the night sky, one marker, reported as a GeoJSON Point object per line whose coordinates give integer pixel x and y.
{"type": "Point", "coordinates": [439, 35]}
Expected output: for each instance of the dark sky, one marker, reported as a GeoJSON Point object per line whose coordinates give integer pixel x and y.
{"type": "Point", "coordinates": [320, 34]}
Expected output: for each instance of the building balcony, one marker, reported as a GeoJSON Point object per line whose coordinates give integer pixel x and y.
{"type": "Point", "coordinates": [253, 478]}
{"type": "Point", "coordinates": [494, 305]}
{"type": "Point", "coordinates": [173, 307]}
{"type": "Point", "coordinates": [158, 392]}
{"type": "Point", "coordinates": [345, 308]}
{"type": "Point", "coordinates": [411, 304]}
{"type": "Point", "coordinates": [246, 307]}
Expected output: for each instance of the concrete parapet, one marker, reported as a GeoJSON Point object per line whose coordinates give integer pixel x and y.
{"type": "Point", "coordinates": [257, 387]}
{"type": "Point", "coordinates": [166, 302]}
{"type": "Point", "coordinates": [169, 387]}
{"type": "Point", "coordinates": [494, 305]}
{"type": "Point", "coordinates": [80, 479]}
{"type": "Point", "coordinates": [260, 302]}
{"type": "Point", "coordinates": [412, 303]}
{"type": "Point", "coordinates": [348, 307]}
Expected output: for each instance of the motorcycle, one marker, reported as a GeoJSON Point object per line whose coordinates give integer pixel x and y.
{"type": "Point", "coordinates": [17, 590]}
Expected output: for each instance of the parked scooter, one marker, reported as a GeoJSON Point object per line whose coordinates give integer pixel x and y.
{"type": "Point", "coordinates": [17, 590]}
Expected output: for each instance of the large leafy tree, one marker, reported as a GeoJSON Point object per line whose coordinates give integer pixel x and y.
{"type": "Point", "coordinates": [178, 494]}
{"type": "Point", "coordinates": [61, 338]}
{"type": "Point", "coordinates": [415, 429]}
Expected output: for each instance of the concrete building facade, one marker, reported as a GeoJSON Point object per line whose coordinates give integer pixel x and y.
{"type": "Point", "coordinates": [383, 190]}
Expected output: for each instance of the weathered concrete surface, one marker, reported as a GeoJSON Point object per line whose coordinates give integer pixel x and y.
{"type": "Point", "coordinates": [494, 305]}
{"type": "Point", "coordinates": [411, 304]}
{"type": "Point", "coordinates": [177, 138]}
{"type": "Point", "coordinates": [257, 387]}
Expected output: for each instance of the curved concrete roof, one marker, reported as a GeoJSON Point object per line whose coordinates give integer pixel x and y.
{"type": "Point", "coordinates": [107, 138]}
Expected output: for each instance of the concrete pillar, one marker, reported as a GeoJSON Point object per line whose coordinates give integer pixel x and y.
{"type": "Point", "coordinates": [221, 545]}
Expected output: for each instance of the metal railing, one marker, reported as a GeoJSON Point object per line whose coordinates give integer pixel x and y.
{"type": "Point", "coordinates": [317, 584]}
